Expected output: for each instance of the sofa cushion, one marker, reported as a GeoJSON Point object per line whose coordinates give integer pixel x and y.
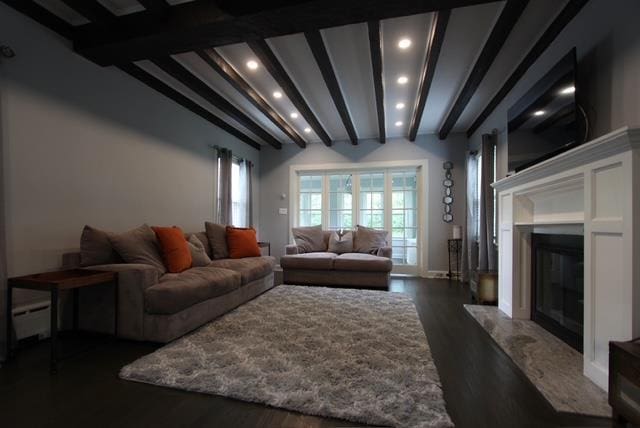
{"type": "Point", "coordinates": [362, 262]}
{"type": "Point", "coordinates": [367, 240]}
{"type": "Point", "coordinates": [138, 246]}
{"type": "Point", "coordinates": [192, 286]}
{"type": "Point", "coordinates": [174, 247]}
{"type": "Point", "coordinates": [314, 261]}
{"type": "Point", "coordinates": [310, 239]}
{"type": "Point", "coordinates": [96, 248]}
{"type": "Point", "coordinates": [250, 268]}
{"type": "Point", "coordinates": [341, 244]}
{"type": "Point", "coordinates": [202, 237]}
{"type": "Point", "coordinates": [217, 235]}
{"type": "Point", "coordinates": [242, 242]}
{"type": "Point", "coordinates": [199, 256]}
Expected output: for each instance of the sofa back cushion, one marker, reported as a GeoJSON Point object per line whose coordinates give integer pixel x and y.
{"type": "Point", "coordinates": [310, 239]}
{"type": "Point", "coordinates": [174, 248]}
{"type": "Point", "coordinates": [369, 240]}
{"type": "Point", "coordinates": [242, 242]}
{"type": "Point", "coordinates": [341, 244]}
{"type": "Point", "coordinates": [138, 246]}
{"type": "Point", "coordinates": [217, 235]}
{"type": "Point", "coordinates": [199, 256]}
{"type": "Point", "coordinates": [96, 248]}
{"type": "Point", "coordinates": [204, 240]}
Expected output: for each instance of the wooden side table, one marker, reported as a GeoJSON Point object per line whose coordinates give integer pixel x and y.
{"type": "Point", "coordinates": [265, 244]}
{"type": "Point", "coordinates": [54, 282]}
{"type": "Point", "coordinates": [454, 246]}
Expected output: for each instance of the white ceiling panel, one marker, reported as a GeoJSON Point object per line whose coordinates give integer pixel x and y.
{"type": "Point", "coordinates": [296, 58]}
{"type": "Point", "coordinates": [204, 72]}
{"type": "Point", "coordinates": [348, 49]}
{"type": "Point", "coordinates": [238, 55]}
{"type": "Point", "coordinates": [397, 62]}
{"type": "Point", "coordinates": [533, 22]}
{"type": "Point", "coordinates": [467, 31]}
{"type": "Point", "coordinates": [152, 69]}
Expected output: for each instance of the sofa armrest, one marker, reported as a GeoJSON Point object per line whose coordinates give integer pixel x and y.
{"type": "Point", "coordinates": [293, 249]}
{"type": "Point", "coordinates": [132, 274]}
{"type": "Point", "coordinates": [384, 252]}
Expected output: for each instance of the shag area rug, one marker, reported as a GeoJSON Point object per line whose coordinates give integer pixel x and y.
{"type": "Point", "coordinates": [358, 355]}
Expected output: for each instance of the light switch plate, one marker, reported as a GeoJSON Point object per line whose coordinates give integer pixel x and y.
{"type": "Point", "coordinates": [282, 211]}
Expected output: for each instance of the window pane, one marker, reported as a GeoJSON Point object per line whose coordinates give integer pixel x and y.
{"type": "Point", "coordinates": [316, 201]}
{"type": "Point", "coordinates": [305, 201]}
{"type": "Point", "coordinates": [305, 218]}
{"type": "Point", "coordinates": [347, 201]}
{"type": "Point", "coordinates": [397, 219]}
{"type": "Point", "coordinates": [410, 197]}
{"type": "Point", "coordinates": [377, 220]}
{"type": "Point", "coordinates": [365, 200]}
{"type": "Point", "coordinates": [397, 200]}
{"type": "Point", "coordinates": [377, 200]}
{"type": "Point", "coordinates": [316, 218]}
{"type": "Point", "coordinates": [397, 180]}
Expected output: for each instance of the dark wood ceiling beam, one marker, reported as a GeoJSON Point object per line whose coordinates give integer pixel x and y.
{"type": "Point", "coordinates": [202, 24]}
{"type": "Point", "coordinates": [555, 28]}
{"type": "Point", "coordinates": [166, 90]}
{"type": "Point", "coordinates": [277, 71]}
{"type": "Point", "coordinates": [435, 39]}
{"type": "Point", "coordinates": [184, 76]}
{"type": "Point", "coordinates": [226, 71]}
{"type": "Point", "coordinates": [155, 5]}
{"type": "Point", "coordinates": [375, 47]}
{"type": "Point", "coordinates": [510, 14]}
{"type": "Point", "coordinates": [94, 12]}
{"type": "Point", "coordinates": [319, 51]}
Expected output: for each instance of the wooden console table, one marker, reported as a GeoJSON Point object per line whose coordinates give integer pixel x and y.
{"type": "Point", "coordinates": [54, 282]}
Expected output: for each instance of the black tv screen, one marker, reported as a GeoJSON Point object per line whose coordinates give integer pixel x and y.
{"type": "Point", "coordinates": [545, 121]}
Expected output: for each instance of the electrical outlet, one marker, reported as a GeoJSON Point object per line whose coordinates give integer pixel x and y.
{"type": "Point", "coordinates": [283, 211]}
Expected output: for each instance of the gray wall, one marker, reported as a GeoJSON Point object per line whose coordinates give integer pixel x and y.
{"type": "Point", "coordinates": [607, 39]}
{"type": "Point", "coordinates": [274, 179]}
{"type": "Point", "coordinates": [90, 145]}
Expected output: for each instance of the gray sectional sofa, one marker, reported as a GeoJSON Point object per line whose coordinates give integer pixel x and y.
{"type": "Point", "coordinates": [160, 307]}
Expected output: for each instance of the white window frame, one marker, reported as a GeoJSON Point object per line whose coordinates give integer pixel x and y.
{"type": "Point", "coordinates": [422, 174]}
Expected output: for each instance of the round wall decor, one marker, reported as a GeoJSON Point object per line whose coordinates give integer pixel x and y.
{"type": "Point", "coordinates": [447, 200]}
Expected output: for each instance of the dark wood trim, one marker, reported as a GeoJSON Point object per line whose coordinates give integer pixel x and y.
{"type": "Point", "coordinates": [155, 5]}
{"type": "Point", "coordinates": [42, 16]}
{"type": "Point", "coordinates": [166, 90]}
{"type": "Point", "coordinates": [375, 46]}
{"type": "Point", "coordinates": [434, 45]}
{"type": "Point", "coordinates": [226, 71]}
{"type": "Point", "coordinates": [277, 71]}
{"type": "Point", "coordinates": [564, 17]}
{"type": "Point", "coordinates": [180, 73]}
{"type": "Point", "coordinates": [203, 24]}
{"type": "Point", "coordinates": [510, 14]}
{"type": "Point", "coordinates": [93, 11]}
{"type": "Point", "coordinates": [319, 50]}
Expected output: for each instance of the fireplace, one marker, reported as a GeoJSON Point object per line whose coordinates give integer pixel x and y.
{"type": "Point", "coordinates": [557, 285]}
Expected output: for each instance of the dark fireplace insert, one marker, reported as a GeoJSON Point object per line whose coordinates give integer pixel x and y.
{"type": "Point", "coordinates": [557, 285]}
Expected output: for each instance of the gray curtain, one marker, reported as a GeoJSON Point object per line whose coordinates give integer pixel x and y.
{"type": "Point", "coordinates": [470, 246]}
{"type": "Point", "coordinates": [487, 254]}
{"type": "Point", "coordinates": [249, 185]}
{"type": "Point", "coordinates": [223, 192]}
{"type": "Point", "coordinates": [3, 255]}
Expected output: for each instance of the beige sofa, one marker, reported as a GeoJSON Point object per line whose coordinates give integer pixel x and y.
{"type": "Point", "coordinates": [160, 307]}
{"type": "Point", "coordinates": [360, 270]}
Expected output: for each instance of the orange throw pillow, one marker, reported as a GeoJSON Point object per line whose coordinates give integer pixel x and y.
{"type": "Point", "coordinates": [175, 249]}
{"type": "Point", "coordinates": [242, 242]}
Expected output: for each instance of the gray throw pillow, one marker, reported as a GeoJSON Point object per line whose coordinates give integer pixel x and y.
{"type": "Point", "coordinates": [369, 240]}
{"type": "Point", "coordinates": [341, 244]}
{"type": "Point", "coordinates": [217, 234]}
{"type": "Point", "coordinates": [309, 239]}
{"type": "Point", "coordinates": [199, 257]}
{"type": "Point", "coordinates": [96, 249]}
{"type": "Point", "coordinates": [139, 245]}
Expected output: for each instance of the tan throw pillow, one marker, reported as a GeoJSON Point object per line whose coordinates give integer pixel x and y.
{"type": "Point", "coordinates": [217, 234]}
{"type": "Point", "coordinates": [139, 245]}
{"type": "Point", "coordinates": [96, 249]}
{"type": "Point", "coordinates": [341, 244]}
{"type": "Point", "coordinates": [199, 256]}
{"type": "Point", "coordinates": [309, 239]}
{"type": "Point", "coordinates": [369, 240]}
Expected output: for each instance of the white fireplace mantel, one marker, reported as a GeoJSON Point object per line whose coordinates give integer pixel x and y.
{"type": "Point", "coordinates": [595, 186]}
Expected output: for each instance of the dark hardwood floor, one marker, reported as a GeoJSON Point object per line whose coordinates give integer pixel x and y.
{"type": "Point", "coordinates": [482, 387]}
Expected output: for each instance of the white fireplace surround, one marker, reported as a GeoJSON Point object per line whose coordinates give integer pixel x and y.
{"type": "Point", "coordinates": [595, 186]}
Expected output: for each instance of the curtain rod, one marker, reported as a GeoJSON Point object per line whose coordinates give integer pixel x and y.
{"type": "Point", "coordinates": [217, 147]}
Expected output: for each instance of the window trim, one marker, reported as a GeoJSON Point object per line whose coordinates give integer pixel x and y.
{"type": "Point", "coordinates": [422, 167]}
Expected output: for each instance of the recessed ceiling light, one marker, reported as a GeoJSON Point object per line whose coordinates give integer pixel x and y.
{"type": "Point", "coordinates": [252, 65]}
{"type": "Point", "coordinates": [568, 90]}
{"type": "Point", "coordinates": [539, 113]}
{"type": "Point", "coordinates": [294, 115]}
{"type": "Point", "coordinates": [403, 79]}
{"type": "Point", "coordinates": [400, 106]}
{"type": "Point", "coordinates": [398, 123]}
{"type": "Point", "coordinates": [307, 130]}
{"type": "Point", "coordinates": [404, 43]}
{"type": "Point", "coordinates": [277, 94]}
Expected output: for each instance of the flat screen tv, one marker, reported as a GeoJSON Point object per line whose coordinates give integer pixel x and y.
{"type": "Point", "coordinates": [545, 121]}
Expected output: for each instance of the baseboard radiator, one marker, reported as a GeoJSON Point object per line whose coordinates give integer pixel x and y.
{"type": "Point", "coordinates": [32, 320]}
